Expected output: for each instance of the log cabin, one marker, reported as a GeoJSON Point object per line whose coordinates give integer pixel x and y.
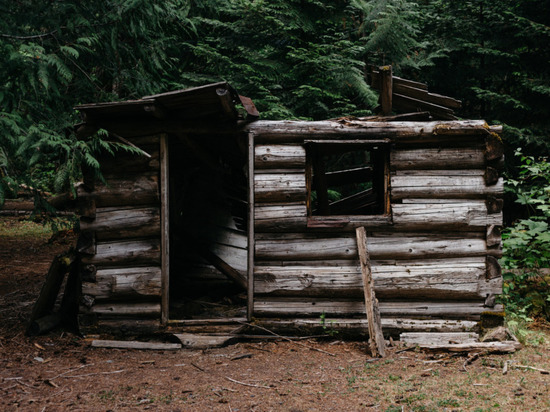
{"type": "Point", "coordinates": [218, 218]}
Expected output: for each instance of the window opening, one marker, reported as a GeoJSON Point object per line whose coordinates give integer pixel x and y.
{"type": "Point", "coordinates": [347, 179]}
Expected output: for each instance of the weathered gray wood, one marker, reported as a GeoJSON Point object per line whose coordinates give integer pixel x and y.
{"type": "Point", "coordinates": [140, 282]}
{"type": "Point", "coordinates": [438, 338]}
{"type": "Point", "coordinates": [440, 158]}
{"type": "Point", "coordinates": [137, 190]}
{"type": "Point", "coordinates": [494, 235]}
{"type": "Point", "coordinates": [504, 347]}
{"type": "Point", "coordinates": [339, 307]}
{"type": "Point", "coordinates": [423, 94]}
{"type": "Point", "coordinates": [494, 270]}
{"type": "Point", "coordinates": [132, 344]}
{"type": "Point", "coordinates": [124, 326]}
{"type": "Point", "coordinates": [126, 253]}
{"type": "Point", "coordinates": [251, 218]}
{"type": "Point", "coordinates": [145, 309]}
{"type": "Point", "coordinates": [224, 267]}
{"type": "Point", "coordinates": [165, 227]}
{"type": "Point", "coordinates": [358, 325]}
{"type": "Point", "coordinates": [203, 341]}
{"type": "Point", "coordinates": [296, 131]}
{"type": "Point", "coordinates": [463, 278]}
{"type": "Point", "coordinates": [376, 338]}
{"type": "Point", "coordinates": [406, 103]}
{"type": "Point", "coordinates": [390, 247]}
{"type": "Point", "coordinates": [279, 157]}
{"type": "Point", "coordinates": [464, 215]}
{"type": "Point", "coordinates": [120, 223]}
{"type": "Point", "coordinates": [280, 187]}
{"type": "Point", "coordinates": [463, 187]}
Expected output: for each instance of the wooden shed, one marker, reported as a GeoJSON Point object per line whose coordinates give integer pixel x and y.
{"type": "Point", "coordinates": [225, 218]}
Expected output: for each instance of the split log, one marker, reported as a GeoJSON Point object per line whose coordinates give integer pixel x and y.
{"type": "Point", "coordinates": [439, 279]}
{"type": "Point", "coordinates": [406, 103]}
{"type": "Point", "coordinates": [438, 158]}
{"type": "Point", "coordinates": [422, 94]}
{"type": "Point", "coordinates": [141, 282]}
{"type": "Point", "coordinates": [388, 247]}
{"type": "Point", "coordinates": [494, 270]}
{"type": "Point", "coordinates": [494, 235]}
{"type": "Point", "coordinates": [460, 187]}
{"type": "Point", "coordinates": [500, 347]}
{"type": "Point", "coordinates": [279, 157]}
{"type": "Point", "coordinates": [120, 223]}
{"type": "Point", "coordinates": [118, 344]}
{"type": "Point", "coordinates": [280, 187]}
{"type": "Point", "coordinates": [296, 131]}
{"type": "Point", "coordinates": [304, 307]}
{"type": "Point", "coordinates": [145, 309]}
{"type": "Point", "coordinates": [441, 338]}
{"type": "Point", "coordinates": [494, 148]}
{"type": "Point", "coordinates": [439, 216]}
{"type": "Point", "coordinates": [140, 190]}
{"type": "Point", "coordinates": [494, 204]}
{"type": "Point", "coordinates": [376, 338]}
{"type": "Point", "coordinates": [126, 253]}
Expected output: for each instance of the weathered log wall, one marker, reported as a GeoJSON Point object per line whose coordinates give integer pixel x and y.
{"type": "Point", "coordinates": [433, 258]}
{"type": "Point", "coordinates": [120, 241]}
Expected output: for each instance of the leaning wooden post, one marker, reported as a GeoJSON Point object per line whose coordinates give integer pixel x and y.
{"type": "Point", "coordinates": [376, 338]}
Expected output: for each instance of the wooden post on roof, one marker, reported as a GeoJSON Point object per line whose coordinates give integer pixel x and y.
{"type": "Point", "coordinates": [386, 89]}
{"type": "Point", "coordinates": [376, 338]}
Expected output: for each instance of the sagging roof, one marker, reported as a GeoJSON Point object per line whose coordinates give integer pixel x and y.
{"type": "Point", "coordinates": [215, 101]}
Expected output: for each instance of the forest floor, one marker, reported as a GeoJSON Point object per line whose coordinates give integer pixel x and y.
{"type": "Point", "coordinates": [61, 371]}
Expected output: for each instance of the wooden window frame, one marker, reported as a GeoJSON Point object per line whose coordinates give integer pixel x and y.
{"type": "Point", "coordinates": [382, 169]}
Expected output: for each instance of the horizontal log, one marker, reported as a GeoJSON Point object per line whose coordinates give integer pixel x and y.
{"type": "Point", "coordinates": [279, 157]}
{"type": "Point", "coordinates": [450, 278]}
{"type": "Point", "coordinates": [139, 190]}
{"type": "Point", "coordinates": [390, 326]}
{"type": "Point", "coordinates": [280, 187]}
{"type": "Point", "coordinates": [463, 187]}
{"type": "Point", "coordinates": [296, 131]}
{"type": "Point", "coordinates": [339, 307]}
{"type": "Point", "coordinates": [438, 158]}
{"type": "Point", "coordinates": [293, 217]}
{"type": "Point", "coordinates": [440, 216]}
{"type": "Point", "coordinates": [140, 282]}
{"type": "Point", "coordinates": [481, 347]}
{"type": "Point", "coordinates": [120, 223]}
{"type": "Point", "coordinates": [125, 253]}
{"type": "Point", "coordinates": [145, 309]}
{"type": "Point", "coordinates": [438, 338]}
{"type": "Point", "coordinates": [123, 162]}
{"type": "Point", "coordinates": [390, 247]}
{"type": "Point", "coordinates": [92, 324]}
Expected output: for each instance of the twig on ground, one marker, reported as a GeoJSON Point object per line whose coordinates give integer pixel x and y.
{"type": "Point", "coordinates": [248, 384]}
{"type": "Point", "coordinates": [473, 358]}
{"type": "Point", "coordinates": [92, 374]}
{"type": "Point", "coordinates": [543, 371]}
{"type": "Point", "coordinates": [198, 367]}
{"type": "Point", "coordinates": [288, 339]}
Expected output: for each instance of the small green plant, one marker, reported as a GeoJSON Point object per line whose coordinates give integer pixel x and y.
{"type": "Point", "coordinates": [327, 325]}
{"type": "Point", "coordinates": [526, 292]}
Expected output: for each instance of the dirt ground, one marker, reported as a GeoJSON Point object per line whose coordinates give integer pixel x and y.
{"type": "Point", "coordinates": [61, 371]}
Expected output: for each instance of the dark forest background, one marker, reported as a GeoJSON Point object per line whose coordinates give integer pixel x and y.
{"type": "Point", "coordinates": [303, 59]}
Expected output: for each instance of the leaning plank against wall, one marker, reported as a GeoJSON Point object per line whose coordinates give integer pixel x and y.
{"type": "Point", "coordinates": [434, 259]}
{"type": "Point", "coordinates": [120, 243]}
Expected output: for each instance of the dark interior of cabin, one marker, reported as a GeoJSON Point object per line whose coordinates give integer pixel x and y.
{"type": "Point", "coordinates": [208, 218]}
